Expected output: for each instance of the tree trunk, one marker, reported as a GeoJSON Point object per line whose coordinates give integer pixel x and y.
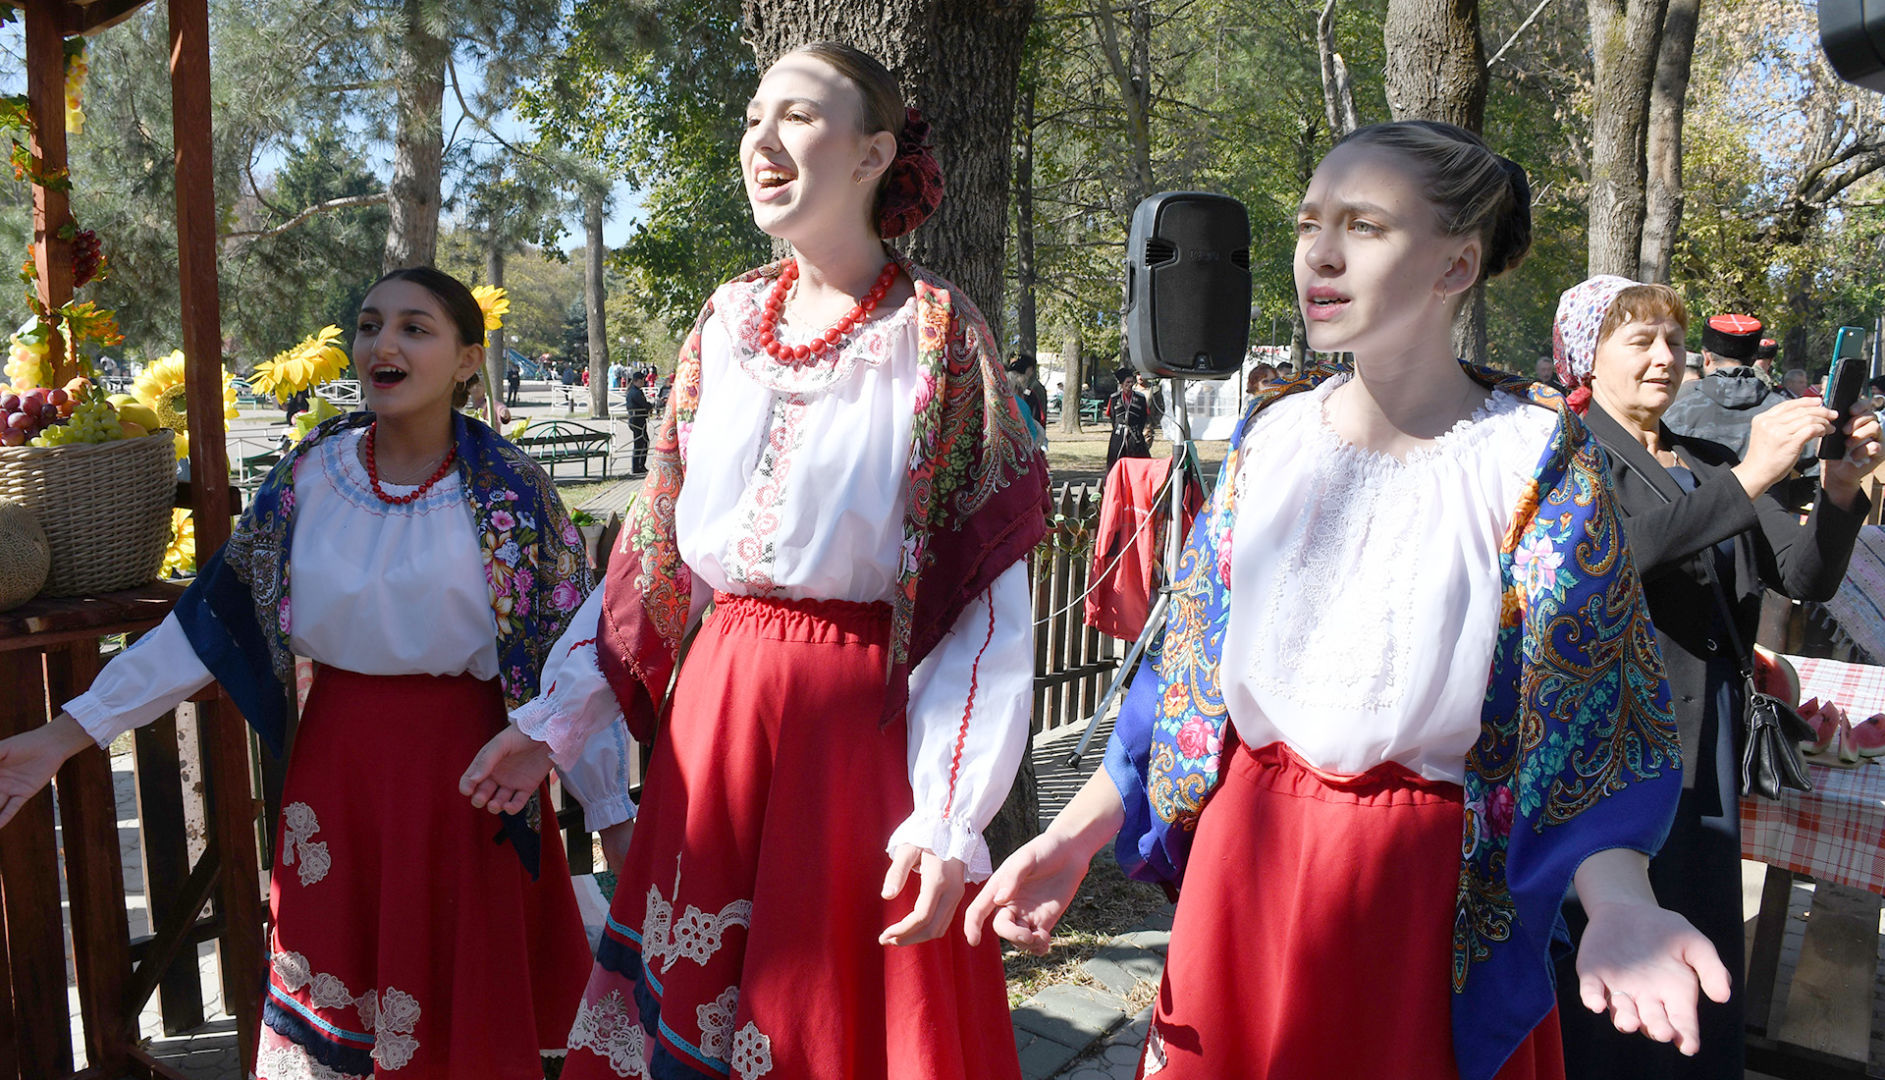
{"type": "Point", "coordinates": [1663, 197]}
{"type": "Point", "coordinates": [1436, 70]}
{"type": "Point", "coordinates": [494, 340]}
{"type": "Point", "coordinates": [1625, 38]}
{"type": "Point", "coordinates": [1026, 340]}
{"type": "Point", "coordinates": [958, 63]}
{"type": "Point", "coordinates": [593, 298]}
{"type": "Point", "coordinates": [1073, 360]}
{"type": "Point", "coordinates": [1338, 92]}
{"type": "Point", "coordinates": [412, 230]}
{"type": "Point", "coordinates": [1436, 65]}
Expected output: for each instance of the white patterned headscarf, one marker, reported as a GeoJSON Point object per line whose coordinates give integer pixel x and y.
{"type": "Point", "coordinates": [1581, 312]}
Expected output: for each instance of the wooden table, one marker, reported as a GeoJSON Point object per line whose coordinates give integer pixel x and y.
{"type": "Point", "coordinates": [1835, 836]}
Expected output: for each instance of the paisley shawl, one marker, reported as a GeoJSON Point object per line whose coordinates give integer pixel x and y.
{"type": "Point", "coordinates": [977, 503]}
{"type": "Point", "coordinates": [237, 613]}
{"type": "Point", "coordinates": [1577, 750]}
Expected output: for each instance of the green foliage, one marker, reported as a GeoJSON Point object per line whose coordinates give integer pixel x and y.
{"type": "Point", "coordinates": [663, 111]}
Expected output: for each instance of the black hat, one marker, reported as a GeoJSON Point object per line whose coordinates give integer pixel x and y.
{"type": "Point", "coordinates": [1125, 373]}
{"type": "Point", "coordinates": [1769, 348]}
{"type": "Point", "coordinates": [1732, 337]}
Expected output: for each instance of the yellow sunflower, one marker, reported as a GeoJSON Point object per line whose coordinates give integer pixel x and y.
{"type": "Point", "coordinates": [160, 389]}
{"type": "Point", "coordinates": [314, 361]}
{"type": "Point", "coordinates": [180, 556]}
{"type": "Point", "coordinates": [495, 303]}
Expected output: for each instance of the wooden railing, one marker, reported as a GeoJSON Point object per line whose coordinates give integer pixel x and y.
{"type": "Point", "coordinates": [1073, 663]}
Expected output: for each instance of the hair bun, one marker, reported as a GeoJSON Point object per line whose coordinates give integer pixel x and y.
{"type": "Point", "coordinates": [1511, 234]}
{"type": "Point", "coordinates": [913, 188]}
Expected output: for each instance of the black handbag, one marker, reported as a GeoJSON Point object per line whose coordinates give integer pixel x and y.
{"type": "Point", "coordinates": [1770, 761]}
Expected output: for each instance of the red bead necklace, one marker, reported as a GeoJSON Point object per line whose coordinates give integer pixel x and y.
{"type": "Point", "coordinates": [373, 473]}
{"type": "Point", "coordinates": [836, 332]}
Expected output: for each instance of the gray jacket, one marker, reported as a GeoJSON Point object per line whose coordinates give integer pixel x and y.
{"type": "Point", "coordinates": [1720, 407]}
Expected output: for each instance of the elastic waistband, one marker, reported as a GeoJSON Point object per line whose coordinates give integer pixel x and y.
{"type": "Point", "coordinates": [1275, 765]}
{"type": "Point", "coordinates": [814, 622]}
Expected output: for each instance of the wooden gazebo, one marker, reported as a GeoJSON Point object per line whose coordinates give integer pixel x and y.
{"type": "Point", "coordinates": [49, 651]}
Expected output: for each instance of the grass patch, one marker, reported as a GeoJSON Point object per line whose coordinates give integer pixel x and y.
{"type": "Point", "coordinates": [1083, 455]}
{"type": "Point", "coordinates": [1108, 904]}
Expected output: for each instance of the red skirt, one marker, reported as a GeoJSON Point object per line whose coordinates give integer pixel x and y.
{"type": "Point", "coordinates": [407, 942]}
{"type": "Point", "coordinates": [743, 934]}
{"type": "Point", "coordinates": [1314, 936]}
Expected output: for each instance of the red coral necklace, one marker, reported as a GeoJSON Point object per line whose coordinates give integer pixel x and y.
{"type": "Point", "coordinates": [373, 473]}
{"type": "Point", "coordinates": [833, 334]}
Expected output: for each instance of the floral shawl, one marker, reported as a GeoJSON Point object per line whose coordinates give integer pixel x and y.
{"type": "Point", "coordinates": [1577, 750]}
{"type": "Point", "coordinates": [977, 504]}
{"type": "Point", "coordinates": [237, 613]}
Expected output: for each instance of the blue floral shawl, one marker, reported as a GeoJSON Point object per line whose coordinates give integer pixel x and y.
{"type": "Point", "coordinates": [1577, 750]}
{"type": "Point", "coordinates": [237, 614]}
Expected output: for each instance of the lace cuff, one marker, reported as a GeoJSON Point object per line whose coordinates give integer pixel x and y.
{"type": "Point", "coordinates": [606, 812]}
{"type": "Point", "coordinates": [948, 838]}
{"type": "Point", "coordinates": [543, 721]}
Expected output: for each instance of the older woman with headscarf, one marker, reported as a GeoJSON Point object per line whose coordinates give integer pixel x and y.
{"type": "Point", "coordinates": [1708, 538]}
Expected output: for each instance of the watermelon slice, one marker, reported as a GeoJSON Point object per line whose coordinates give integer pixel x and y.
{"type": "Point", "coordinates": [1868, 736]}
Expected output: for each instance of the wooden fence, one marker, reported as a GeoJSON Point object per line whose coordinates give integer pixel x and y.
{"type": "Point", "coordinates": [1073, 663]}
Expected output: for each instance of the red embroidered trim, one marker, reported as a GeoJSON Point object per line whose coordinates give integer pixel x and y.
{"type": "Point", "coordinates": [579, 645]}
{"type": "Point", "coordinates": [962, 735]}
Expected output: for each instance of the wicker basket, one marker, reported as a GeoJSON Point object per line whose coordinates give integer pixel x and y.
{"type": "Point", "coordinates": [105, 508]}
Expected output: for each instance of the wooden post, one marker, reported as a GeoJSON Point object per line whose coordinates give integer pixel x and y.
{"type": "Point", "coordinates": [29, 881]}
{"type": "Point", "coordinates": [88, 816]}
{"type": "Point", "coordinates": [52, 214]}
{"type": "Point", "coordinates": [225, 736]}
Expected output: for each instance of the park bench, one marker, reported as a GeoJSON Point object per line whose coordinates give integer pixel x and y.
{"type": "Point", "coordinates": [554, 441]}
{"type": "Point", "coordinates": [1092, 410]}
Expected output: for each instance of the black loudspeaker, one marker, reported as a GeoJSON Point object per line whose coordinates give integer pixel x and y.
{"type": "Point", "coordinates": [1188, 286]}
{"type": "Point", "coordinates": [1853, 34]}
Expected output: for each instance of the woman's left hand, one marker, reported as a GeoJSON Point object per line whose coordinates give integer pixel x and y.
{"type": "Point", "coordinates": [506, 772]}
{"type": "Point", "coordinates": [1642, 963]}
{"type": "Point", "coordinates": [936, 902]}
{"type": "Point", "coordinates": [1864, 450]}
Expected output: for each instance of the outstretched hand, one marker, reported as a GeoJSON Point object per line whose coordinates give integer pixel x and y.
{"type": "Point", "coordinates": [1029, 893]}
{"type": "Point", "coordinates": [506, 772]}
{"type": "Point", "coordinates": [29, 760]}
{"type": "Point", "coordinates": [936, 900]}
{"type": "Point", "coordinates": [1642, 964]}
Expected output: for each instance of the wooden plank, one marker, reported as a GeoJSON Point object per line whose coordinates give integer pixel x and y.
{"type": "Point", "coordinates": [43, 622]}
{"type": "Point", "coordinates": [29, 883]}
{"type": "Point", "coordinates": [1037, 589]}
{"type": "Point", "coordinates": [232, 815]}
{"type": "Point", "coordinates": [1829, 1005]}
{"type": "Point", "coordinates": [91, 16]}
{"type": "Point", "coordinates": [1057, 628]}
{"type": "Point", "coordinates": [196, 269]}
{"type": "Point", "coordinates": [52, 214]}
{"type": "Point", "coordinates": [1770, 927]}
{"type": "Point", "coordinates": [9, 1037]}
{"type": "Point", "coordinates": [180, 928]}
{"type": "Point", "coordinates": [166, 862]}
{"type": "Point", "coordinates": [94, 872]}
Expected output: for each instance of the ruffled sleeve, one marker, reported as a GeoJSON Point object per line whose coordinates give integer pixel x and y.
{"type": "Point", "coordinates": [968, 724]}
{"type": "Point", "coordinates": [576, 701]}
{"type": "Point", "coordinates": [158, 672]}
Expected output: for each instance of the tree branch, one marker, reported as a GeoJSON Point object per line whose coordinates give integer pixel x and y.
{"type": "Point", "coordinates": [345, 202]}
{"type": "Point", "coordinates": [1522, 27]}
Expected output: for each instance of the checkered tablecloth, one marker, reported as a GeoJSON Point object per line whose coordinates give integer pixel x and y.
{"type": "Point", "coordinates": [1836, 832]}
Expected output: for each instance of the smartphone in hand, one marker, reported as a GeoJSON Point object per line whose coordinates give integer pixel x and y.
{"type": "Point", "coordinates": [1844, 385]}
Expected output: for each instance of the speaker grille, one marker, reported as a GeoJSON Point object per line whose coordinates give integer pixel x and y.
{"type": "Point", "coordinates": [1241, 258]}
{"type": "Point", "coordinates": [1160, 251]}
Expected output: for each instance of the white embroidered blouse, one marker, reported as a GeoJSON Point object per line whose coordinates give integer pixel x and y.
{"type": "Point", "coordinates": [796, 488]}
{"type": "Point", "coordinates": [1368, 588]}
{"type": "Point", "coordinates": [378, 589]}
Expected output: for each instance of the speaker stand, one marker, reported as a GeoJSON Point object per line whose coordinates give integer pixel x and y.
{"type": "Point", "coordinates": [1186, 471]}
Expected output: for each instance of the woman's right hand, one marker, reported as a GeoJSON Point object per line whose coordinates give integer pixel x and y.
{"type": "Point", "coordinates": [1030, 892]}
{"type": "Point", "coordinates": [1776, 440]}
{"type": "Point", "coordinates": [28, 761]}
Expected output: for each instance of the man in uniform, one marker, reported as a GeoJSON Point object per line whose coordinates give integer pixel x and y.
{"type": "Point", "coordinates": [1731, 394]}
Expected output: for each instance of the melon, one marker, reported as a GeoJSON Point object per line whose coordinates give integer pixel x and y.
{"type": "Point", "coordinates": [25, 557]}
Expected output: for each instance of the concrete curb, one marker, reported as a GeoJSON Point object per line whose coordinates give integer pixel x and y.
{"type": "Point", "coordinates": [1059, 1025]}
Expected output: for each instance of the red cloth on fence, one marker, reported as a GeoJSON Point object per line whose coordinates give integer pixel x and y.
{"type": "Point", "coordinates": [742, 938]}
{"type": "Point", "coordinates": [1314, 936]}
{"type": "Point", "coordinates": [1127, 549]}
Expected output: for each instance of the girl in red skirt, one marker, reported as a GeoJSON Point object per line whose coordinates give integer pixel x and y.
{"type": "Point", "coordinates": [432, 565]}
{"type": "Point", "coordinates": [1408, 694]}
{"type": "Point", "coordinates": [844, 476]}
